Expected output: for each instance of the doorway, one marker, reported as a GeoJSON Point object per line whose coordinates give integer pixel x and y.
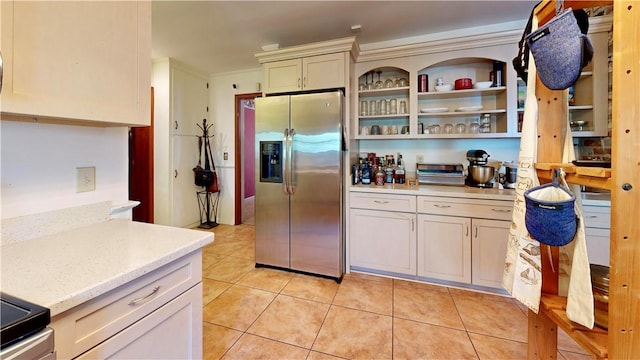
{"type": "Point", "coordinates": [141, 169]}
{"type": "Point", "coordinates": [245, 158]}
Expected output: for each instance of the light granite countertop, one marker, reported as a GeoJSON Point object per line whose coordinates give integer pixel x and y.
{"type": "Point", "coordinates": [593, 199]}
{"type": "Point", "coordinates": [66, 269]}
{"type": "Point", "coordinates": [438, 190]}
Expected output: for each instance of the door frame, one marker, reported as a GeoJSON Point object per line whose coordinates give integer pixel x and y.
{"type": "Point", "coordinates": [238, 155]}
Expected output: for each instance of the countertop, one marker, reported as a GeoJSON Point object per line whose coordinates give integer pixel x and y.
{"type": "Point", "coordinates": [593, 199]}
{"type": "Point", "coordinates": [66, 269]}
{"type": "Point", "coordinates": [439, 190]}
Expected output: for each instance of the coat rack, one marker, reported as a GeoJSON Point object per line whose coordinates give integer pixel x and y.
{"type": "Point", "coordinates": [208, 198]}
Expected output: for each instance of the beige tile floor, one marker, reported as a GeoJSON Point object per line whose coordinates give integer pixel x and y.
{"type": "Point", "coordinates": [263, 313]}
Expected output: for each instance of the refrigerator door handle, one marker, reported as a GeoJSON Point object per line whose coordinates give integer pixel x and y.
{"type": "Point", "coordinates": [292, 186]}
{"type": "Point", "coordinates": [285, 139]}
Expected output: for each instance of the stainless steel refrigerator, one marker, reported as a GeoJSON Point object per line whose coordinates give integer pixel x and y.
{"type": "Point", "coordinates": [299, 142]}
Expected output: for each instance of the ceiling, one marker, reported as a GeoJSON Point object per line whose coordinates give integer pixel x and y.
{"type": "Point", "coordinates": [223, 36]}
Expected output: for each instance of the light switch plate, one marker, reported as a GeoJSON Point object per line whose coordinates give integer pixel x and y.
{"type": "Point", "coordinates": [85, 179]}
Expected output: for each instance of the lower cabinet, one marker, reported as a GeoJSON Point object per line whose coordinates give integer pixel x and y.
{"type": "Point", "coordinates": [462, 240]}
{"type": "Point", "coordinates": [597, 225]}
{"type": "Point", "coordinates": [383, 240]}
{"type": "Point", "coordinates": [488, 251]}
{"type": "Point", "coordinates": [171, 332]}
{"type": "Point", "coordinates": [444, 248]}
{"type": "Point", "coordinates": [156, 316]}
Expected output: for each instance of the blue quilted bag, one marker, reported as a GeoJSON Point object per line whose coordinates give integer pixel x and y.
{"type": "Point", "coordinates": [560, 51]}
{"type": "Point", "coordinates": [551, 222]}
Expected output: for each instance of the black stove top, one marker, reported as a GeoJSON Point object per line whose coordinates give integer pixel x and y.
{"type": "Point", "coordinates": [20, 319]}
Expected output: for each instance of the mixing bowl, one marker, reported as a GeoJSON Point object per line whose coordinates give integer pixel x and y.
{"type": "Point", "coordinates": [481, 174]}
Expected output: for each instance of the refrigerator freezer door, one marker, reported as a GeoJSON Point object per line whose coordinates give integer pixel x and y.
{"type": "Point", "coordinates": [316, 124]}
{"type": "Point", "coordinates": [272, 203]}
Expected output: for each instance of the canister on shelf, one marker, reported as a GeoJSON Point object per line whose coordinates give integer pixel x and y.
{"type": "Point", "coordinates": [423, 81]}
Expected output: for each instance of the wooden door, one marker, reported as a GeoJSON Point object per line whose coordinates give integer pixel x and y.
{"type": "Point", "coordinates": [141, 169]}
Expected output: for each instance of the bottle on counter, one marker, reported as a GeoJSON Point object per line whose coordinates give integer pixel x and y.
{"type": "Point", "coordinates": [380, 176]}
{"type": "Point", "coordinates": [400, 172]}
{"type": "Point", "coordinates": [389, 171]}
{"type": "Point", "coordinates": [355, 178]}
{"type": "Point", "coordinates": [366, 174]}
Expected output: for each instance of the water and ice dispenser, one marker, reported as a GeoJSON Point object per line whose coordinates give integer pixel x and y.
{"type": "Point", "coordinates": [271, 161]}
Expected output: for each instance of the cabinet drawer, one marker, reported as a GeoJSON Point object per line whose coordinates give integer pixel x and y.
{"type": "Point", "coordinates": [404, 203]}
{"type": "Point", "coordinates": [597, 217]}
{"type": "Point", "coordinates": [481, 209]}
{"type": "Point", "coordinates": [172, 332]}
{"type": "Point", "coordinates": [88, 324]}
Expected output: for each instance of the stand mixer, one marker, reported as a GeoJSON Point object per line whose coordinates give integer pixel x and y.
{"type": "Point", "coordinates": [479, 174]}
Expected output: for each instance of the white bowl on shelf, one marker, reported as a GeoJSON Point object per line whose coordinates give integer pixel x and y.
{"type": "Point", "coordinates": [482, 84]}
{"type": "Point", "coordinates": [445, 87]}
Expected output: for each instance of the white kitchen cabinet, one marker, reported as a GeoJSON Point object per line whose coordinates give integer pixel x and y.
{"type": "Point", "coordinates": [171, 332]}
{"type": "Point", "coordinates": [158, 315]}
{"type": "Point", "coordinates": [597, 223]}
{"type": "Point", "coordinates": [85, 63]}
{"type": "Point", "coordinates": [180, 103]}
{"type": "Point", "coordinates": [383, 232]}
{"type": "Point", "coordinates": [488, 251]}
{"type": "Point", "coordinates": [462, 239]}
{"type": "Point", "coordinates": [309, 73]}
{"type": "Point", "coordinates": [444, 248]}
{"type": "Point", "coordinates": [383, 240]}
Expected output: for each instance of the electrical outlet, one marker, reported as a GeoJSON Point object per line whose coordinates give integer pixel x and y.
{"type": "Point", "coordinates": [85, 179]}
{"type": "Point", "coordinates": [419, 159]}
{"type": "Point", "coordinates": [226, 156]}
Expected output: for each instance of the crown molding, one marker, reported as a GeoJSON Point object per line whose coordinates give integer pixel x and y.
{"type": "Point", "coordinates": [441, 45]}
{"type": "Point", "coordinates": [319, 48]}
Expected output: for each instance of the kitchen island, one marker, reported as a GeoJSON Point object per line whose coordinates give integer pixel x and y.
{"type": "Point", "coordinates": [111, 283]}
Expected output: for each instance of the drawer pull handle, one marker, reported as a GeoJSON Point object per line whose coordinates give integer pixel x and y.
{"type": "Point", "coordinates": [442, 206]}
{"type": "Point", "coordinates": [153, 292]}
{"type": "Point", "coordinates": [380, 201]}
{"type": "Point", "coordinates": [501, 210]}
{"type": "Point", "coordinates": [592, 216]}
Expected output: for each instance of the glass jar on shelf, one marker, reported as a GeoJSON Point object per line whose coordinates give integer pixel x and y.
{"type": "Point", "coordinates": [485, 123]}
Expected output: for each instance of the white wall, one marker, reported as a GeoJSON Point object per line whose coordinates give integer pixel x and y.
{"type": "Point", "coordinates": [38, 166]}
{"type": "Point", "coordinates": [222, 114]}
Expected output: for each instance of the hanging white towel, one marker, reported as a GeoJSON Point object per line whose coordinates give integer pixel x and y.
{"type": "Point", "coordinates": [579, 291]}
{"type": "Point", "coordinates": [522, 276]}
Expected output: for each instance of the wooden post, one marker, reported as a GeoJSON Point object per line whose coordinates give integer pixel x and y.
{"type": "Point", "coordinates": [624, 283]}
